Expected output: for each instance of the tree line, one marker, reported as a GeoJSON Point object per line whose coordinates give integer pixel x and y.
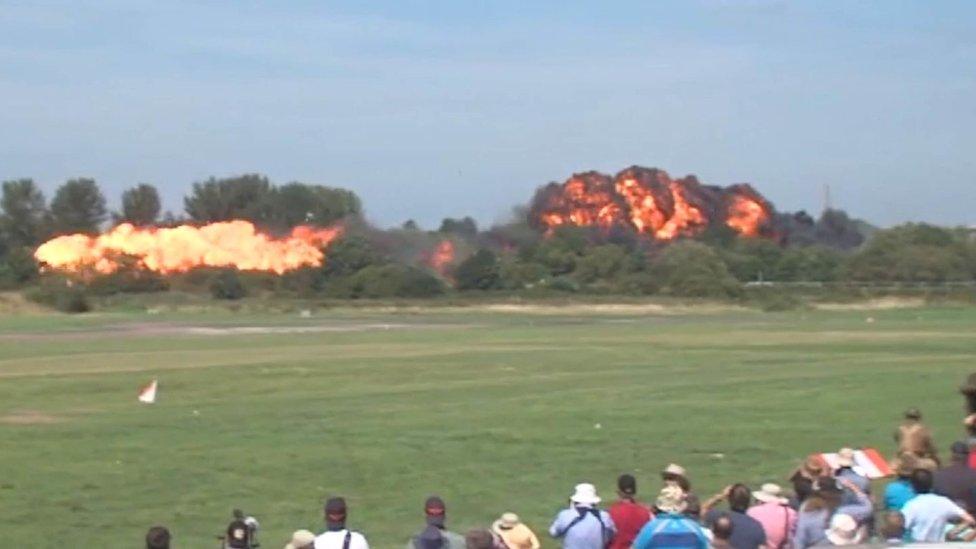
{"type": "Point", "coordinates": [368, 262]}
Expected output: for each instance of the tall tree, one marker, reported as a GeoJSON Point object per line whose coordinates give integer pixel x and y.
{"type": "Point", "coordinates": [297, 204]}
{"type": "Point", "coordinates": [140, 206]}
{"type": "Point", "coordinates": [78, 207]}
{"type": "Point", "coordinates": [24, 213]}
{"type": "Point", "coordinates": [465, 226]}
{"type": "Point", "coordinates": [244, 197]}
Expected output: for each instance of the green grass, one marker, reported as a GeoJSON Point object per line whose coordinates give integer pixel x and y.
{"type": "Point", "coordinates": [494, 412]}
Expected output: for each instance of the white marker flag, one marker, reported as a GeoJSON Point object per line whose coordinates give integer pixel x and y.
{"type": "Point", "coordinates": [148, 393]}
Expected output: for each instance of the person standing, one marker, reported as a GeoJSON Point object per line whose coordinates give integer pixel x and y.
{"type": "Point", "coordinates": [336, 535]}
{"type": "Point", "coordinates": [927, 514]}
{"type": "Point", "coordinates": [816, 512]}
{"type": "Point", "coordinates": [914, 437]}
{"type": "Point", "coordinates": [957, 481]}
{"type": "Point", "coordinates": [436, 535]}
{"type": "Point", "coordinates": [628, 515]}
{"type": "Point", "coordinates": [900, 491]}
{"type": "Point", "coordinates": [747, 532]}
{"type": "Point", "coordinates": [514, 533]}
{"type": "Point", "coordinates": [583, 525]}
{"type": "Point", "coordinates": [775, 515]}
{"type": "Point", "coordinates": [671, 528]}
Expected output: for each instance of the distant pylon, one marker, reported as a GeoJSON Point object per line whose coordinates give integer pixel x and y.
{"type": "Point", "coordinates": [826, 198]}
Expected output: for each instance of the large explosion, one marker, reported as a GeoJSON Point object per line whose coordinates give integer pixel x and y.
{"type": "Point", "coordinates": [230, 244]}
{"type": "Point", "coordinates": [649, 202]}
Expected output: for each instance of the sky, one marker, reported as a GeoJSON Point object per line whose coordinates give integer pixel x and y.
{"type": "Point", "coordinates": [435, 109]}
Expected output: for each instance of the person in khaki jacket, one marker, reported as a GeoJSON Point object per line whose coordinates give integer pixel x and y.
{"type": "Point", "coordinates": [915, 438]}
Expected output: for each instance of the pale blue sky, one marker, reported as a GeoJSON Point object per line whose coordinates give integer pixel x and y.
{"type": "Point", "coordinates": [433, 109]}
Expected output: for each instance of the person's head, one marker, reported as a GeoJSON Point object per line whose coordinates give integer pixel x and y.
{"type": "Point", "coordinates": [431, 538]}
{"type": "Point", "coordinates": [238, 535]}
{"type": "Point", "coordinates": [157, 538]}
{"type": "Point", "coordinates": [626, 486]}
{"type": "Point", "coordinates": [802, 488]}
{"type": "Point", "coordinates": [770, 493]}
{"type": "Point", "coordinates": [671, 500]}
{"type": "Point", "coordinates": [922, 481]}
{"type": "Point", "coordinates": [740, 496]}
{"type": "Point", "coordinates": [827, 494]}
{"type": "Point", "coordinates": [960, 452]}
{"type": "Point", "coordinates": [506, 522]}
{"type": "Point", "coordinates": [845, 458]}
{"type": "Point", "coordinates": [479, 538]}
{"type": "Point", "coordinates": [301, 539]}
{"type": "Point", "coordinates": [913, 414]}
{"type": "Point", "coordinates": [584, 495]}
{"type": "Point", "coordinates": [435, 511]}
{"type": "Point", "coordinates": [844, 530]}
{"type": "Point", "coordinates": [676, 474]}
{"type": "Point", "coordinates": [335, 513]}
{"type": "Point", "coordinates": [893, 526]}
{"type": "Point", "coordinates": [722, 527]}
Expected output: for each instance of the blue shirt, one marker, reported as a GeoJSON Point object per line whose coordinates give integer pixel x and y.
{"type": "Point", "coordinates": [669, 531]}
{"type": "Point", "coordinates": [897, 494]}
{"type": "Point", "coordinates": [585, 534]}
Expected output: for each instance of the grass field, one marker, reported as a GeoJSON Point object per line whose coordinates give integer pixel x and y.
{"type": "Point", "coordinates": [493, 411]}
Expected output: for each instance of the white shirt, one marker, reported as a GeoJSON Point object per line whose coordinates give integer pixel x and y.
{"type": "Point", "coordinates": [335, 539]}
{"type": "Point", "coordinates": [926, 516]}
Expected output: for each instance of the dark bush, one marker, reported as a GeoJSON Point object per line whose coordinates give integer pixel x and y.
{"type": "Point", "coordinates": [481, 271]}
{"type": "Point", "coordinates": [227, 285]}
{"type": "Point", "coordinates": [692, 269]}
{"type": "Point", "coordinates": [385, 281]}
{"type": "Point", "coordinates": [60, 294]}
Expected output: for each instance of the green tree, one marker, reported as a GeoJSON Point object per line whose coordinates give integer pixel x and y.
{"type": "Point", "coordinates": [385, 281]}
{"type": "Point", "coordinates": [247, 197]}
{"type": "Point", "coordinates": [480, 271]}
{"type": "Point", "coordinates": [351, 254]}
{"type": "Point", "coordinates": [692, 269]}
{"type": "Point", "coordinates": [462, 227]}
{"type": "Point", "coordinates": [25, 216]}
{"type": "Point", "coordinates": [300, 204]}
{"type": "Point", "coordinates": [140, 206]}
{"type": "Point", "coordinates": [601, 263]}
{"type": "Point", "coordinates": [78, 206]}
{"type": "Point", "coordinates": [912, 253]}
{"type": "Point", "coordinates": [808, 264]}
{"type": "Point", "coordinates": [752, 259]}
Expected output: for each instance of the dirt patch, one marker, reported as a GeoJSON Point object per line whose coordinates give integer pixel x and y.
{"type": "Point", "coordinates": [874, 304]}
{"type": "Point", "coordinates": [29, 417]}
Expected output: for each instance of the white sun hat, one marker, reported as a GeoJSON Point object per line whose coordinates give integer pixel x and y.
{"type": "Point", "coordinates": [770, 493]}
{"type": "Point", "coordinates": [585, 494]}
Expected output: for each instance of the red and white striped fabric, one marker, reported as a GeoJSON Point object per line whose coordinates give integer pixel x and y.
{"type": "Point", "coordinates": [867, 461]}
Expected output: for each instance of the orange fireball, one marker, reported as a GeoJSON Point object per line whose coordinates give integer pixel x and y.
{"type": "Point", "coordinates": [228, 244]}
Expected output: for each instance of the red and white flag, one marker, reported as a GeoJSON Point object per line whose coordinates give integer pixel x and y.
{"type": "Point", "coordinates": [867, 462]}
{"type": "Point", "coordinates": [148, 393]}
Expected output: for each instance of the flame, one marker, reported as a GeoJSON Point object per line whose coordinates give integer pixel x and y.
{"type": "Point", "coordinates": [235, 244]}
{"type": "Point", "coordinates": [746, 216]}
{"type": "Point", "coordinates": [442, 258]}
{"type": "Point", "coordinates": [649, 202]}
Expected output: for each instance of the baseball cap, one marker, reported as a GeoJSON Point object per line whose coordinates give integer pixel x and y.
{"type": "Point", "coordinates": [627, 484]}
{"type": "Point", "coordinates": [435, 510]}
{"type": "Point", "coordinates": [335, 511]}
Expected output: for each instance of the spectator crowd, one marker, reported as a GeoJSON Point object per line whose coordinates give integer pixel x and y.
{"type": "Point", "coordinates": [830, 504]}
